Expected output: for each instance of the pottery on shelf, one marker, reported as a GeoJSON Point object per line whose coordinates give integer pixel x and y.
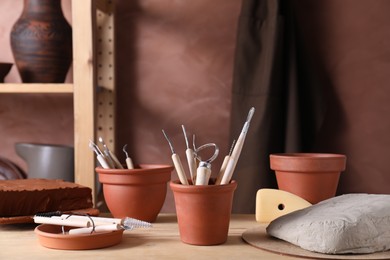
{"type": "Point", "coordinates": [41, 42]}
{"type": "Point", "coordinates": [48, 161]}
{"type": "Point", "coordinates": [311, 176]}
{"type": "Point", "coordinates": [203, 212]}
{"type": "Point", "coordinates": [137, 193]}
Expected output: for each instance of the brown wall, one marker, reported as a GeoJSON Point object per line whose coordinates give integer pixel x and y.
{"type": "Point", "coordinates": [174, 66]}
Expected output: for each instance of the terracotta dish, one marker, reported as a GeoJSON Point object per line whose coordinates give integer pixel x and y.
{"type": "Point", "coordinates": [51, 236]}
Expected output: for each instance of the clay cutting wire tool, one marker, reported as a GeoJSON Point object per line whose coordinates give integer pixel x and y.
{"type": "Point", "coordinates": [177, 163]}
{"type": "Point", "coordinates": [191, 159]}
{"type": "Point", "coordinates": [231, 165]}
{"type": "Point", "coordinates": [129, 162]}
{"type": "Point", "coordinates": [203, 171]}
{"type": "Point", "coordinates": [111, 158]}
{"type": "Point", "coordinates": [99, 155]}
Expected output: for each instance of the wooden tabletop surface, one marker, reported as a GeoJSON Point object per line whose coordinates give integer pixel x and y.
{"type": "Point", "coordinates": [160, 242]}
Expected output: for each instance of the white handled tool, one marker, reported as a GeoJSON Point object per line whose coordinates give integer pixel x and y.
{"type": "Point", "coordinates": [110, 156]}
{"type": "Point", "coordinates": [231, 165]}
{"type": "Point", "coordinates": [191, 159]}
{"type": "Point", "coordinates": [97, 229]}
{"type": "Point", "coordinates": [177, 163]}
{"type": "Point", "coordinates": [203, 172]}
{"type": "Point", "coordinates": [129, 162]}
{"type": "Point", "coordinates": [224, 164]}
{"type": "Point", "coordinates": [99, 155]}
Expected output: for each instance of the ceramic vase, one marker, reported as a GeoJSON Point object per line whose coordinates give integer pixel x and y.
{"type": "Point", "coordinates": [4, 70]}
{"type": "Point", "coordinates": [311, 176]}
{"type": "Point", "coordinates": [41, 42]}
{"type": "Point", "coordinates": [137, 193]}
{"type": "Point", "coordinates": [203, 212]}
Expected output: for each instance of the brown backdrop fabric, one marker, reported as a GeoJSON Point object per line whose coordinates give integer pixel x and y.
{"type": "Point", "coordinates": [317, 73]}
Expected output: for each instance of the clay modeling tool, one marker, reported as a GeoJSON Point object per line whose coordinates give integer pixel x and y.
{"type": "Point", "coordinates": [97, 229]}
{"type": "Point", "coordinates": [191, 160]}
{"type": "Point", "coordinates": [273, 203]}
{"type": "Point", "coordinates": [177, 163]}
{"type": "Point", "coordinates": [129, 162]}
{"type": "Point", "coordinates": [99, 155]}
{"type": "Point", "coordinates": [224, 164]}
{"type": "Point", "coordinates": [231, 165]}
{"type": "Point", "coordinates": [203, 171]}
{"type": "Point", "coordinates": [55, 220]}
{"type": "Point", "coordinates": [110, 155]}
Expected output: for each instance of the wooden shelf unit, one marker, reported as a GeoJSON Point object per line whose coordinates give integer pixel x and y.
{"type": "Point", "coordinates": [91, 20]}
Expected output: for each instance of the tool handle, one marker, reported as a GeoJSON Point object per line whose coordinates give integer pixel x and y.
{"type": "Point", "coordinates": [62, 222]}
{"type": "Point", "coordinates": [233, 159]}
{"type": "Point", "coordinates": [97, 221]}
{"type": "Point", "coordinates": [229, 171]}
{"type": "Point", "coordinates": [203, 175]}
{"type": "Point", "coordinates": [222, 170]}
{"type": "Point", "coordinates": [191, 163]}
{"type": "Point", "coordinates": [103, 161]}
{"type": "Point", "coordinates": [129, 163]}
{"type": "Point", "coordinates": [179, 169]}
{"type": "Point", "coordinates": [117, 163]}
{"type": "Point", "coordinates": [88, 230]}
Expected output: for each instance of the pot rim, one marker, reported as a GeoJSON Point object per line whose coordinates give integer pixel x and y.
{"type": "Point", "coordinates": [308, 155]}
{"type": "Point", "coordinates": [142, 168]}
{"type": "Point", "coordinates": [308, 162]}
{"type": "Point", "coordinates": [176, 186]}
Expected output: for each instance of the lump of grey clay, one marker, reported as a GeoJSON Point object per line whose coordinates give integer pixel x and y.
{"type": "Point", "coordinates": [352, 223]}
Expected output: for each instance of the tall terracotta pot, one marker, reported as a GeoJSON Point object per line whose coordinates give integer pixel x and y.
{"type": "Point", "coordinates": [41, 42]}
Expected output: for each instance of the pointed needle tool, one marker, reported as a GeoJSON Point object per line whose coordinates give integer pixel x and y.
{"type": "Point", "coordinates": [177, 163]}
{"type": "Point", "coordinates": [129, 162]}
{"type": "Point", "coordinates": [224, 164]}
{"type": "Point", "coordinates": [111, 155]}
{"type": "Point", "coordinates": [191, 160]}
{"type": "Point", "coordinates": [237, 150]}
{"type": "Point", "coordinates": [99, 155]}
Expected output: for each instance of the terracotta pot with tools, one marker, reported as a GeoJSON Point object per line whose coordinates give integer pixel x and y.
{"type": "Point", "coordinates": [312, 176]}
{"type": "Point", "coordinates": [203, 212]}
{"type": "Point", "coordinates": [137, 193]}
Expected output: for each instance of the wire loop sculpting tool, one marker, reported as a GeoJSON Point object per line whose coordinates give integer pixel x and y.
{"type": "Point", "coordinates": [177, 163]}
{"type": "Point", "coordinates": [190, 157]}
{"type": "Point", "coordinates": [129, 162]}
{"type": "Point", "coordinates": [231, 165]}
{"type": "Point", "coordinates": [99, 155]}
{"type": "Point", "coordinates": [203, 172]}
{"type": "Point", "coordinates": [224, 164]}
{"type": "Point", "coordinates": [110, 156]}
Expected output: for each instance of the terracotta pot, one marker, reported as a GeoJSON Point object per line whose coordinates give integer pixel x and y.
{"type": "Point", "coordinates": [312, 176]}
{"type": "Point", "coordinates": [41, 42]}
{"type": "Point", "coordinates": [203, 212]}
{"type": "Point", "coordinates": [137, 193]}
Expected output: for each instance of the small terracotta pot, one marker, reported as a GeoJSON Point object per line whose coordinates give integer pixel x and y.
{"type": "Point", "coordinates": [312, 176]}
{"type": "Point", "coordinates": [137, 193]}
{"type": "Point", "coordinates": [203, 212]}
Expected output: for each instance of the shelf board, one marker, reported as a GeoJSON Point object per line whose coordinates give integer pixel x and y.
{"type": "Point", "coordinates": [36, 88]}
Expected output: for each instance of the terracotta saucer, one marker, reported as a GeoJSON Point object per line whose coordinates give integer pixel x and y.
{"type": "Point", "coordinates": [51, 236]}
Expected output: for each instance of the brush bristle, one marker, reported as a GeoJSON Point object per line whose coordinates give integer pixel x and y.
{"type": "Point", "coordinates": [131, 223]}
{"type": "Point", "coordinates": [49, 214]}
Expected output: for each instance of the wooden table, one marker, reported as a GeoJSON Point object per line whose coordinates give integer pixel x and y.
{"type": "Point", "coordinates": [160, 242]}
